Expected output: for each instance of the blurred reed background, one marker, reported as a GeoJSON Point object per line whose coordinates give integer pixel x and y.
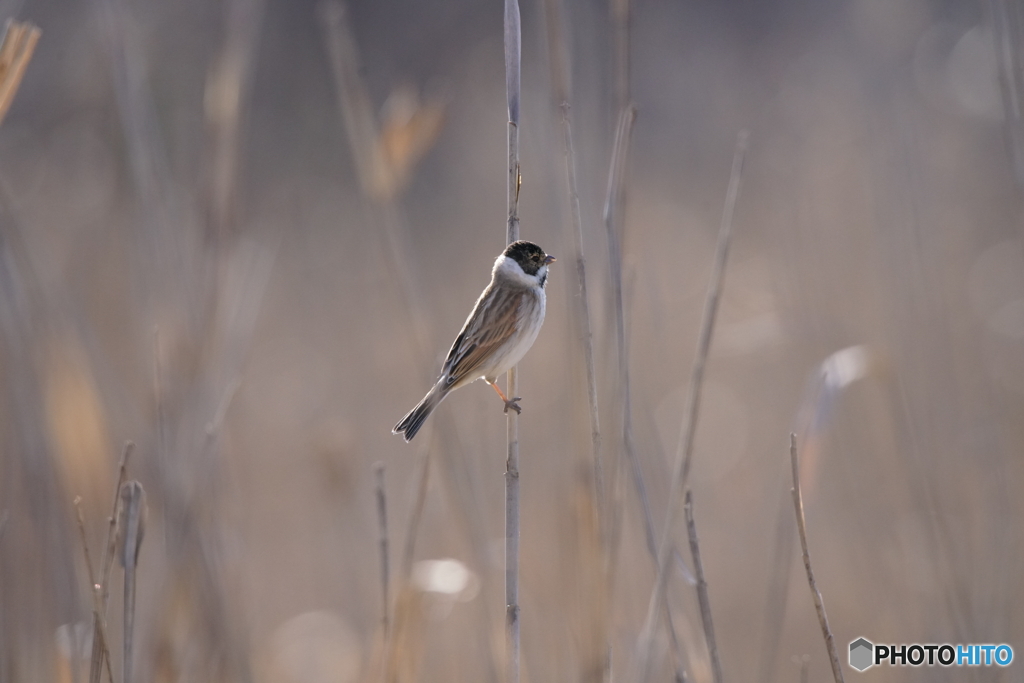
{"type": "Point", "coordinates": [241, 234]}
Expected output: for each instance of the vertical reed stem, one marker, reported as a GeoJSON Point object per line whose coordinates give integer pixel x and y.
{"type": "Point", "coordinates": [801, 525]}
{"type": "Point", "coordinates": [684, 455]}
{"type": "Point", "coordinates": [512, 75]}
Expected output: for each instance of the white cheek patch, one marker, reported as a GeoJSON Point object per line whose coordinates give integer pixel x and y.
{"type": "Point", "coordinates": [512, 271]}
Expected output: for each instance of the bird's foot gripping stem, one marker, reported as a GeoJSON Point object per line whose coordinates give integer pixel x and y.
{"type": "Point", "coordinates": [510, 403]}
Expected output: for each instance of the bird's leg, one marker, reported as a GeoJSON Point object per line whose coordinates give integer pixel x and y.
{"type": "Point", "coordinates": [509, 403]}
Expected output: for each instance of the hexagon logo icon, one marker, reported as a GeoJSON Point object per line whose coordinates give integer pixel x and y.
{"type": "Point", "coordinates": [861, 654]}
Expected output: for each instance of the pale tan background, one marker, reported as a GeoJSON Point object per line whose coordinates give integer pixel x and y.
{"type": "Point", "coordinates": [879, 208]}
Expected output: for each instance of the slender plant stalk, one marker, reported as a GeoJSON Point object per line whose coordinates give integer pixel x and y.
{"type": "Point", "coordinates": [702, 591]}
{"type": "Point", "coordinates": [1008, 32]}
{"type": "Point", "coordinates": [512, 90]}
{"type": "Point", "coordinates": [133, 513]}
{"type": "Point", "coordinates": [940, 535]}
{"type": "Point", "coordinates": [586, 331]}
{"type": "Point", "coordinates": [598, 661]}
{"type": "Point", "coordinates": [228, 82]}
{"type": "Point", "coordinates": [108, 559]}
{"type": "Point", "coordinates": [614, 219]}
{"type": "Point", "coordinates": [99, 628]}
{"type": "Point", "coordinates": [598, 668]}
{"type": "Point", "coordinates": [560, 78]}
{"type": "Point", "coordinates": [619, 10]}
{"type": "Point", "coordinates": [778, 593]}
{"type": "Point", "coordinates": [379, 188]}
{"type": "Point", "coordinates": [614, 216]}
{"type": "Point", "coordinates": [158, 401]}
{"type": "Point", "coordinates": [15, 52]}
{"type": "Point", "coordinates": [100, 653]}
{"type": "Point", "coordinates": [778, 577]}
{"type": "Point", "coordinates": [397, 648]}
{"type": "Point", "coordinates": [684, 454]}
{"type": "Point", "coordinates": [819, 606]}
{"type": "Point", "coordinates": [382, 526]}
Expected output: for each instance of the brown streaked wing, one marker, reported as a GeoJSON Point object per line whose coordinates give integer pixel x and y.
{"type": "Point", "coordinates": [488, 329]}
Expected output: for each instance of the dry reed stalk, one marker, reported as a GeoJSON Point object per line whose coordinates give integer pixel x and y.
{"type": "Point", "coordinates": [778, 592]}
{"type": "Point", "coordinates": [560, 80]}
{"type": "Point", "coordinates": [614, 216]}
{"type": "Point", "coordinates": [702, 591]}
{"type": "Point", "coordinates": [592, 531]}
{"type": "Point", "coordinates": [819, 606]}
{"type": "Point", "coordinates": [684, 454]}
{"type": "Point", "coordinates": [99, 628]}
{"type": "Point", "coordinates": [620, 24]}
{"type": "Point", "coordinates": [941, 538]}
{"type": "Point", "coordinates": [111, 548]}
{"type": "Point", "coordinates": [380, 186]}
{"type": "Point", "coordinates": [1008, 33]}
{"type": "Point", "coordinates": [513, 47]}
{"type": "Point", "coordinates": [133, 526]}
{"type": "Point", "coordinates": [614, 220]}
{"type": "Point", "coordinates": [100, 653]}
{"type": "Point", "coordinates": [15, 53]}
{"type": "Point", "coordinates": [228, 82]}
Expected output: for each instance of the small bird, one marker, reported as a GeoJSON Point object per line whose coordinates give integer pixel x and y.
{"type": "Point", "coordinates": [498, 332]}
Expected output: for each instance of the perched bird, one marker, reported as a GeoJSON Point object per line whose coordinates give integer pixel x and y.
{"type": "Point", "coordinates": [498, 332]}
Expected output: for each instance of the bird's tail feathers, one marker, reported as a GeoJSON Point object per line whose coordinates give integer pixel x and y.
{"type": "Point", "coordinates": [412, 422]}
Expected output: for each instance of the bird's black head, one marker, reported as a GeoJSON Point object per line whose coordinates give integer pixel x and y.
{"type": "Point", "coordinates": [528, 255]}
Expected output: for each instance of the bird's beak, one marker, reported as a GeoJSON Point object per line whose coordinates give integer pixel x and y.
{"type": "Point", "coordinates": [549, 259]}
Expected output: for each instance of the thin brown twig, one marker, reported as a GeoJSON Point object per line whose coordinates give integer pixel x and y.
{"type": "Point", "coordinates": [684, 454]}
{"type": "Point", "coordinates": [819, 606]}
{"type": "Point", "coordinates": [702, 591]}
{"type": "Point", "coordinates": [99, 628]}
